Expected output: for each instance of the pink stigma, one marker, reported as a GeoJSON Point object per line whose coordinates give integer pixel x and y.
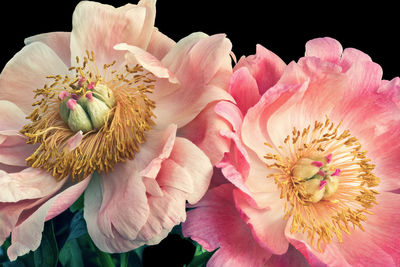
{"type": "Point", "coordinates": [91, 85]}
{"type": "Point", "coordinates": [318, 164]}
{"type": "Point", "coordinates": [336, 173]}
{"type": "Point", "coordinates": [63, 94]}
{"type": "Point", "coordinates": [329, 158]}
{"type": "Point", "coordinates": [322, 184]}
{"type": "Point", "coordinates": [321, 173]}
{"type": "Point", "coordinates": [71, 104]}
{"type": "Point", "coordinates": [81, 81]}
{"type": "Point", "coordinates": [89, 96]}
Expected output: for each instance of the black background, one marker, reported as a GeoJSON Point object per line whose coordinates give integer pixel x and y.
{"type": "Point", "coordinates": [281, 27]}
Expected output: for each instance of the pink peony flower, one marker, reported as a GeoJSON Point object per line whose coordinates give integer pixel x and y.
{"type": "Point", "coordinates": [102, 110]}
{"type": "Point", "coordinates": [313, 164]}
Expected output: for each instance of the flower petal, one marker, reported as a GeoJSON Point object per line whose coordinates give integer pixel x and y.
{"type": "Point", "coordinates": [98, 27]}
{"type": "Point", "coordinates": [159, 44]}
{"type": "Point", "coordinates": [327, 49]}
{"type": "Point", "coordinates": [203, 77]}
{"type": "Point", "coordinates": [204, 132]}
{"type": "Point", "coordinates": [267, 224]}
{"type": "Point", "coordinates": [264, 66]}
{"type": "Point", "coordinates": [27, 71]}
{"type": "Point", "coordinates": [216, 223]}
{"type": "Point", "coordinates": [57, 41]}
{"type": "Point", "coordinates": [243, 87]}
{"type": "Point", "coordinates": [28, 235]}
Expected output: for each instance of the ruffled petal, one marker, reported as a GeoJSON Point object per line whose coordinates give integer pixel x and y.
{"type": "Point", "coordinates": [204, 132]}
{"type": "Point", "coordinates": [291, 258]}
{"type": "Point", "coordinates": [243, 87]}
{"type": "Point", "coordinates": [189, 163]}
{"type": "Point", "coordinates": [59, 42]}
{"type": "Point", "coordinates": [327, 49]}
{"type": "Point", "coordinates": [267, 225]}
{"type": "Point", "coordinates": [27, 71]}
{"type": "Point", "coordinates": [216, 223]}
{"type": "Point", "coordinates": [159, 44]}
{"type": "Point", "coordinates": [28, 184]}
{"type": "Point", "coordinates": [264, 66]}
{"type": "Point", "coordinates": [203, 67]}
{"type": "Point", "coordinates": [28, 235]}
{"type": "Point", "coordinates": [98, 27]}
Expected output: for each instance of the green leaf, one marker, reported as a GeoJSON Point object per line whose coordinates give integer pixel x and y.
{"type": "Point", "coordinates": [77, 226]}
{"type": "Point", "coordinates": [201, 257]}
{"type": "Point", "coordinates": [78, 204]}
{"type": "Point", "coordinates": [70, 254]}
{"type": "Point", "coordinates": [47, 254]}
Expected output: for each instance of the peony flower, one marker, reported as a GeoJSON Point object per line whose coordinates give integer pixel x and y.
{"type": "Point", "coordinates": [101, 110]}
{"type": "Point", "coordinates": [313, 166]}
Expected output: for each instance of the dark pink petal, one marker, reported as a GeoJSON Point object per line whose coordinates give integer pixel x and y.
{"type": "Point", "coordinates": [243, 87]}
{"type": "Point", "coordinates": [216, 223]}
{"type": "Point", "coordinates": [264, 66]}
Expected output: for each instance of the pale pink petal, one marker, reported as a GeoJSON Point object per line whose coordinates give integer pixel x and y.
{"type": "Point", "coordinates": [203, 66]}
{"type": "Point", "coordinates": [120, 188]}
{"type": "Point", "coordinates": [165, 212]}
{"type": "Point", "coordinates": [28, 235]}
{"type": "Point", "coordinates": [75, 140]}
{"type": "Point", "coordinates": [327, 49]}
{"type": "Point", "coordinates": [57, 41]}
{"type": "Point", "coordinates": [364, 76]}
{"type": "Point", "coordinates": [152, 187]}
{"type": "Point", "coordinates": [264, 66]}
{"type": "Point", "coordinates": [190, 163]}
{"type": "Point", "coordinates": [147, 60]}
{"type": "Point", "coordinates": [243, 87]}
{"type": "Point", "coordinates": [98, 27]}
{"type": "Point", "coordinates": [215, 223]}
{"type": "Point", "coordinates": [159, 44]}
{"type": "Point", "coordinates": [28, 184]}
{"type": "Point", "coordinates": [27, 71]}
{"type": "Point", "coordinates": [11, 116]}
{"type": "Point", "coordinates": [204, 132]}
{"type": "Point", "coordinates": [267, 225]}
{"type": "Point", "coordinates": [167, 140]}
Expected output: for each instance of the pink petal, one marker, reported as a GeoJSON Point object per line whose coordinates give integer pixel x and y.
{"type": "Point", "coordinates": [28, 184]}
{"type": "Point", "coordinates": [159, 44]}
{"type": "Point", "coordinates": [120, 188]}
{"type": "Point", "coordinates": [190, 164]}
{"type": "Point", "coordinates": [267, 225]}
{"type": "Point", "coordinates": [231, 113]}
{"type": "Point", "coordinates": [27, 71]}
{"type": "Point", "coordinates": [57, 41]}
{"type": "Point", "coordinates": [243, 87]}
{"type": "Point", "coordinates": [11, 117]}
{"type": "Point", "coordinates": [291, 258]}
{"type": "Point", "coordinates": [351, 56]}
{"type": "Point", "coordinates": [27, 235]}
{"type": "Point", "coordinates": [13, 148]}
{"type": "Point", "coordinates": [203, 77]}
{"type": "Point", "coordinates": [204, 132]}
{"type": "Point", "coordinates": [147, 60]}
{"type": "Point", "coordinates": [216, 223]}
{"type": "Point", "coordinates": [167, 141]}
{"type": "Point", "coordinates": [327, 49]}
{"type": "Point", "coordinates": [165, 212]}
{"type": "Point", "coordinates": [98, 27]}
{"type": "Point", "coordinates": [264, 66]}
{"type": "Point", "coordinates": [75, 140]}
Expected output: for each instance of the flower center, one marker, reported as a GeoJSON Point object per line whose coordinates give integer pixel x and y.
{"type": "Point", "coordinates": [110, 107]}
{"type": "Point", "coordinates": [326, 180]}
